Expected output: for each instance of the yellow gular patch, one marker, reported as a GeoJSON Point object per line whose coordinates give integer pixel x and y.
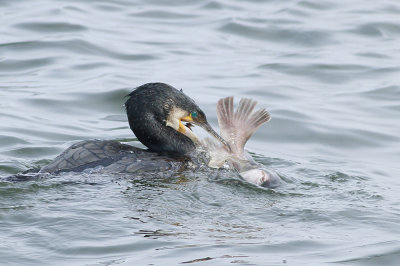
{"type": "Point", "coordinates": [188, 118]}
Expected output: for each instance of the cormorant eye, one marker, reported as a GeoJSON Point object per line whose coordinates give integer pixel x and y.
{"type": "Point", "coordinates": [194, 114]}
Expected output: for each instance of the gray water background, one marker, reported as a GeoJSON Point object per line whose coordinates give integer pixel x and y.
{"type": "Point", "coordinates": [328, 72]}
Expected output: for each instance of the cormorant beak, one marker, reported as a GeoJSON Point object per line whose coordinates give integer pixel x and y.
{"type": "Point", "coordinates": [208, 128]}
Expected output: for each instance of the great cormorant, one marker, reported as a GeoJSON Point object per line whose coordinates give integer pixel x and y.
{"type": "Point", "coordinates": [156, 114]}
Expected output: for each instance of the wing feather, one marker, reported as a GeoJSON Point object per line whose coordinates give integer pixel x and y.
{"type": "Point", "coordinates": [237, 127]}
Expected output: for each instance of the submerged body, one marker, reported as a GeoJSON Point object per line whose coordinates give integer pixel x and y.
{"type": "Point", "coordinates": [108, 156]}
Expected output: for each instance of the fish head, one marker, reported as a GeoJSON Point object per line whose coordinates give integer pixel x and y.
{"type": "Point", "coordinates": [261, 177]}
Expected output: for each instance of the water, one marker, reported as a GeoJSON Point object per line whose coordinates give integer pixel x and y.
{"type": "Point", "coordinates": [328, 72]}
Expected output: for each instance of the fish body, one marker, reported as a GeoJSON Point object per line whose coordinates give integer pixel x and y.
{"type": "Point", "coordinates": [236, 127]}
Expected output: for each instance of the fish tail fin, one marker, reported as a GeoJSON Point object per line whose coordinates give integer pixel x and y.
{"type": "Point", "coordinates": [237, 127]}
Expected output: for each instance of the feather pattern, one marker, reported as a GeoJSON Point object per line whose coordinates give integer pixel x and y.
{"type": "Point", "coordinates": [237, 127]}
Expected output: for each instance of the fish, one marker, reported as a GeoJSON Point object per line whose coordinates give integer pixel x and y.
{"type": "Point", "coordinates": [236, 128]}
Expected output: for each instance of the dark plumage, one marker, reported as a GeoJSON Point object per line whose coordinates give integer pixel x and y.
{"type": "Point", "coordinates": [148, 108]}
{"type": "Point", "coordinates": [155, 112]}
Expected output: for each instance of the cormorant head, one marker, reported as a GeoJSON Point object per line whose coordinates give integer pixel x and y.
{"type": "Point", "coordinates": [157, 113]}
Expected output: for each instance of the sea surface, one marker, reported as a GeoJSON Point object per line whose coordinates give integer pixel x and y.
{"type": "Point", "coordinates": [327, 71]}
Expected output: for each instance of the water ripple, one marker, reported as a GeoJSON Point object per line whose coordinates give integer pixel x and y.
{"type": "Point", "coordinates": [26, 64]}
{"type": "Point", "coordinates": [331, 73]}
{"type": "Point", "coordinates": [50, 27]}
{"type": "Point", "coordinates": [75, 46]}
{"type": "Point", "coordinates": [281, 35]}
{"type": "Point", "coordinates": [162, 14]}
{"type": "Point", "coordinates": [378, 29]}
